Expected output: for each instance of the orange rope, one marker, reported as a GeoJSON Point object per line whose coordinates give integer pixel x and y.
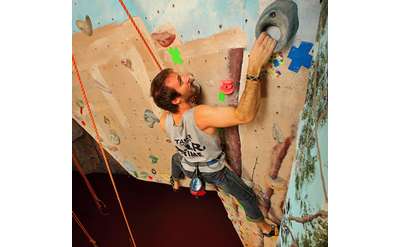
{"type": "Point", "coordinates": [91, 240]}
{"type": "Point", "coordinates": [140, 33]}
{"type": "Point", "coordinates": [102, 149]}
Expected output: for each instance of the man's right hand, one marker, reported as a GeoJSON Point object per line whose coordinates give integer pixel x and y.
{"type": "Point", "coordinates": [260, 53]}
{"type": "Point", "coordinates": [226, 116]}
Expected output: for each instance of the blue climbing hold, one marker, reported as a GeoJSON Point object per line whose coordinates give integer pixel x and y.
{"type": "Point", "coordinates": [300, 56]}
{"type": "Point", "coordinates": [275, 62]}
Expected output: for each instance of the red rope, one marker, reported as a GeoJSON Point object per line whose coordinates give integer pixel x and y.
{"type": "Point", "coordinates": [140, 33]}
{"type": "Point", "coordinates": [102, 149]}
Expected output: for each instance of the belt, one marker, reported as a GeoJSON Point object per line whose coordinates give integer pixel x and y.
{"type": "Point", "coordinates": [215, 160]}
{"type": "Point", "coordinates": [207, 163]}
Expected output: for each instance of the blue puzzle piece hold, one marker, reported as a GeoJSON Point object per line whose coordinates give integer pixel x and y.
{"type": "Point", "coordinates": [300, 56]}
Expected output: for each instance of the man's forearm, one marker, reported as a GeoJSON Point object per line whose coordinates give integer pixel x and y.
{"type": "Point", "coordinates": [251, 97]}
{"type": "Point", "coordinates": [250, 100]}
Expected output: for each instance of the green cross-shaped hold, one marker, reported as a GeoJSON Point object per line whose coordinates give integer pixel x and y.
{"type": "Point", "coordinates": [175, 55]}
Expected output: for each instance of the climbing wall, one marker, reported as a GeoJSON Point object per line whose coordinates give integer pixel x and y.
{"type": "Point", "coordinates": [117, 57]}
{"type": "Point", "coordinates": [305, 220]}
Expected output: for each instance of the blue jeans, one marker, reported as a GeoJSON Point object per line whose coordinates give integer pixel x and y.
{"type": "Point", "coordinates": [226, 180]}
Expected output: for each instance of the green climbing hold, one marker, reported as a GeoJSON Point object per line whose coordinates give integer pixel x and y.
{"type": "Point", "coordinates": [175, 55]}
{"type": "Point", "coordinates": [221, 96]}
{"type": "Point", "coordinates": [153, 159]}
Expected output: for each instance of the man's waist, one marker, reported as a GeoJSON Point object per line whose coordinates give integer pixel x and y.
{"type": "Point", "coordinates": [204, 163]}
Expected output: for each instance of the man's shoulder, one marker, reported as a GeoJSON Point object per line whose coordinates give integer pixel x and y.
{"type": "Point", "coordinates": [200, 113]}
{"type": "Point", "coordinates": [163, 116]}
{"type": "Point", "coordinates": [202, 107]}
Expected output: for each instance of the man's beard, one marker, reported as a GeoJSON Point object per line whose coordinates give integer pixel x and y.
{"type": "Point", "coordinates": [196, 96]}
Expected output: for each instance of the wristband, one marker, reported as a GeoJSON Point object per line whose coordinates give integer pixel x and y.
{"type": "Point", "coordinates": [252, 77]}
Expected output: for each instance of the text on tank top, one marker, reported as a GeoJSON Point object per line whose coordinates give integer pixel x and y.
{"type": "Point", "coordinates": [191, 142]}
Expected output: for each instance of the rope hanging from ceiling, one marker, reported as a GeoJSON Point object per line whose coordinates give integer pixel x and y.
{"type": "Point", "coordinates": [86, 101]}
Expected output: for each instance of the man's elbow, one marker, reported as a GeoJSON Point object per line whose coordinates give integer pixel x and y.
{"type": "Point", "coordinates": [244, 118]}
{"type": "Point", "coordinates": [249, 119]}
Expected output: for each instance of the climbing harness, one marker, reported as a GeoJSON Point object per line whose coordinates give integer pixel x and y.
{"type": "Point", "coordinates": [197, 184]}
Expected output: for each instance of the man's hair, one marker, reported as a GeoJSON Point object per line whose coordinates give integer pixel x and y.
{"type": "Point", "coordinates": [163, 95]}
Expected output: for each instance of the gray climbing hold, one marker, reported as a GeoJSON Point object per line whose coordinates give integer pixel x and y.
{"type": "Point", "coordinates": [150, 118]}
{"type": "Point", "coordinates": [283, 15]}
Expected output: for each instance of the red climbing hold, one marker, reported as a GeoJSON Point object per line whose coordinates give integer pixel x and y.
{"type": "Point", "coordinates": [227, 86]}
{"type": "Point", "coordinates": [164, 39]}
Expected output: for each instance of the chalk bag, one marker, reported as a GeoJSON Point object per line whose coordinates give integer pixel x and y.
{"type": "Point", "coordinates": [197, 185]}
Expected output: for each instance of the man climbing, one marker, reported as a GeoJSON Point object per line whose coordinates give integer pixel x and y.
{"type": "Point", "coordinates": [193, 129]}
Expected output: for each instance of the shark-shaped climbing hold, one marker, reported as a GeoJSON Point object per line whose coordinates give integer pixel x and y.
{"type": "Point", "coordinates": [283, 15]}
{"type": "Point", "coordinates": [150, 118]}
{"type": "Point", "coordinates": [85, 26]}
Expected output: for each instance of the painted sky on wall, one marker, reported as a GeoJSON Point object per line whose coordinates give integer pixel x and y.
{"type": "Point", "coordinates": [196, 18]}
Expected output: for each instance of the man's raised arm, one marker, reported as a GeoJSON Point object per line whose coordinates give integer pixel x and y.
{"type": "Point", "coordinates": [245, 112]}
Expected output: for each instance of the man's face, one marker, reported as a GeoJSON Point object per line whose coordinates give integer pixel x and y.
{"type": "Point", "coordinates": [183, 84]}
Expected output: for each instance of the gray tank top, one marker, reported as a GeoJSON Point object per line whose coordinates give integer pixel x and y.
{"type": "Point", "coordinates": [195, 145]}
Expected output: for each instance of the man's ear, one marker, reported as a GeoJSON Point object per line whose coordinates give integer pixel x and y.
{"type": "Point", "coordinates": [176, 101]}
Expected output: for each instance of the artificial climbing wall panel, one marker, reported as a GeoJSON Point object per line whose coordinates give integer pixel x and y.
{"type": "Point", "coordinates": [210, 39]}
{"type": "Point", "coordinates": [116, 70]}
